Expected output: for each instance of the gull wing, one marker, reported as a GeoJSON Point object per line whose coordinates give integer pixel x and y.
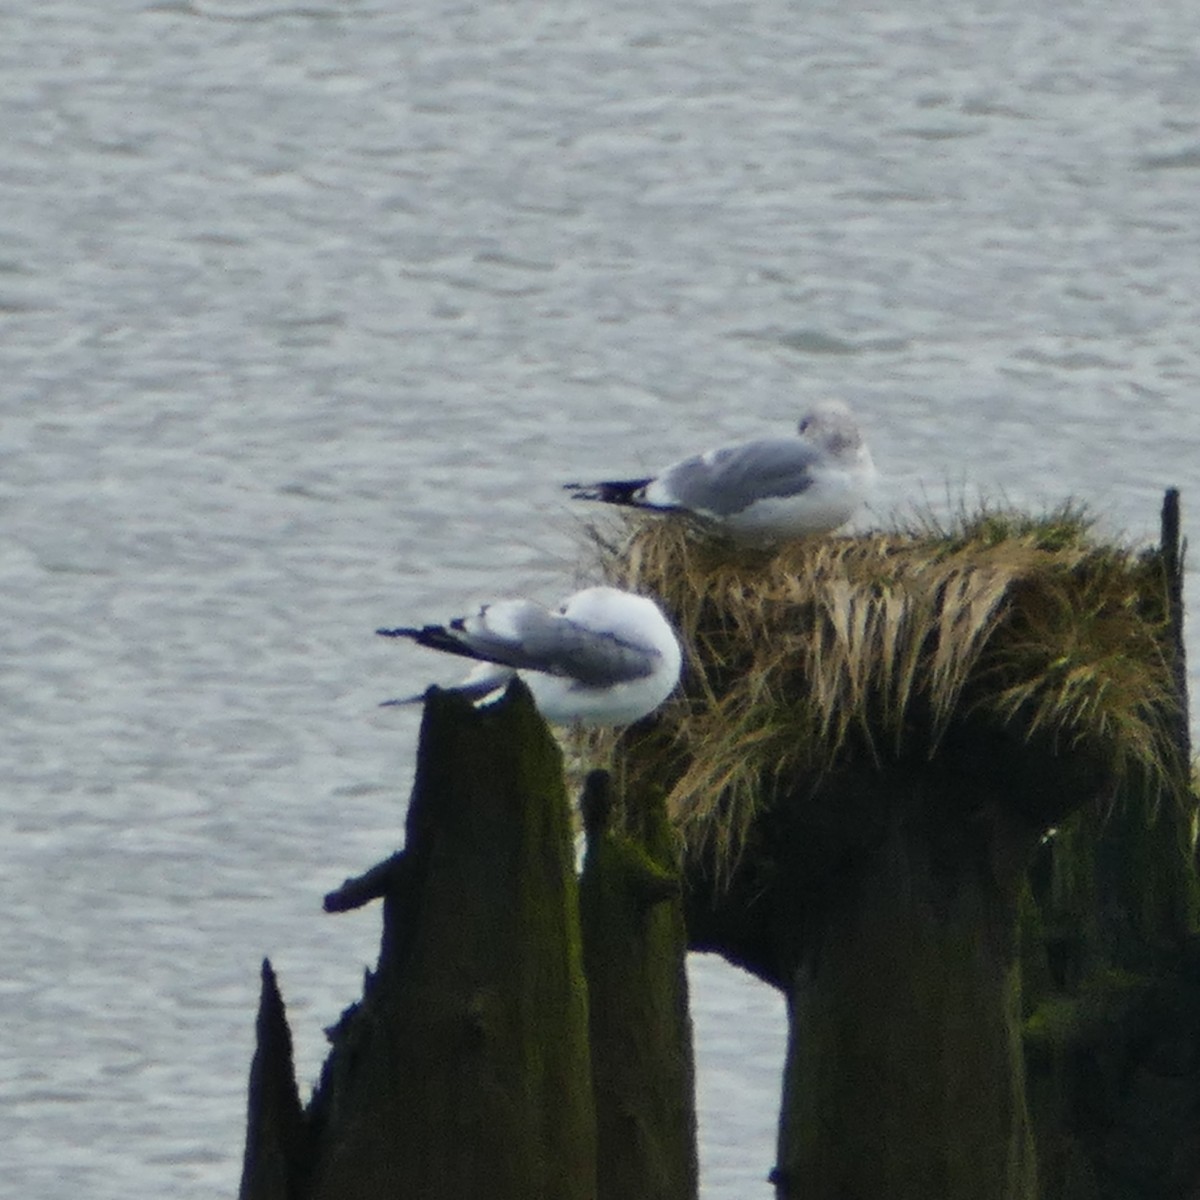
{"type": "Point", "coordinates": [725, 481]}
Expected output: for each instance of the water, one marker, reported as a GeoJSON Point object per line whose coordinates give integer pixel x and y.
{"type": "Point", "coordinates": [304, 311]}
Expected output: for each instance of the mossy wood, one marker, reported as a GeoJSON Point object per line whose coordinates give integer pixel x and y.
{"type": "Point", "coordinates": [464, 1070]}
{"type": "Point", "coordinates": [634, 947]}
{"type": "Point", "coordinates": [1111, 968]}
{"type": "Point", "coordinates": [904, 1075]}
{"type": "Point", "coordinates": [875, 734]}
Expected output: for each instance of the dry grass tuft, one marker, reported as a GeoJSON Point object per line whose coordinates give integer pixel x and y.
{"type": "Point", "coordinates": [876, 645]}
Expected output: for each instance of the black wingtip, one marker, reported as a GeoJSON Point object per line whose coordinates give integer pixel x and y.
{"type": "Point", "coordinates": [611, 491]}
{"type": "Point", "coordinates": [582, 491]}
{"type": "Point", "coordinates": [436, 637]}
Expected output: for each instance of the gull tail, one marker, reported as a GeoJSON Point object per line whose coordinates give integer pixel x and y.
{"type": "Point", "coordinates": [629, 492]}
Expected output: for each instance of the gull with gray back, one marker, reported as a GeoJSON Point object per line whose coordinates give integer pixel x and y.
{"type": "Point", "coordinates": [762, 491]}
{"type": "Point", "coordinates": [603, 657]}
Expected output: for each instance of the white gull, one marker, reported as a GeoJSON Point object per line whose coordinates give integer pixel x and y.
{"type": "Point", "coordinates": [765, 490]}
{"type": "Point", "coordinates": [603, 657]}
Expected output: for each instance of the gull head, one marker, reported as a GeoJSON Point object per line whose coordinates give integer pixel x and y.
{"type": "Point", "coordinates": [831, 425]}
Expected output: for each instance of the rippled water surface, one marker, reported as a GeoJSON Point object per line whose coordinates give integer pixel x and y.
{"type": "Point", "coordinates": [303, 313]}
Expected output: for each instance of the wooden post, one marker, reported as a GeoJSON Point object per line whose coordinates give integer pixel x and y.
{"type": "Point", "coordinates": [904, 1074]}
{"type": "Point", "coordinates": [464, 1070]}
{"type": "Point", "coordinates": [274, 1164]}
{"type": "Point", "coordinates": [634, 945]}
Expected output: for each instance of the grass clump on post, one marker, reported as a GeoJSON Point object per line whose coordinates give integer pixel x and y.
{"type": "Point", "coordinates": [874, 735]}
{"type": "Point", "coordinates": [873, 647]}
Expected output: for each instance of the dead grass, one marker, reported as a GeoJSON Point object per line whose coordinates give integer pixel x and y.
{"type": "Point", "coordinates": [876, 645]}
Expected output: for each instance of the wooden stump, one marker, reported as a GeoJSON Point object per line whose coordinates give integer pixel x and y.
{"type": "Point", "coordinates": [464, 1070]}
{"type": "Point", "coordinates": [635, 946]}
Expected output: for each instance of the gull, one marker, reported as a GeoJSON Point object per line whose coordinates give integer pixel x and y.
{"type": "Point", "coordinates": [603, 657]}
{"type": "Point", "coordinates": [763, 491]}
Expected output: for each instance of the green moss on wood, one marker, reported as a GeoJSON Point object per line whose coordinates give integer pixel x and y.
{"type": "Point", "coordinates": [1086, 1014]}
{"type": "Point", "coordinates": [634, 949]}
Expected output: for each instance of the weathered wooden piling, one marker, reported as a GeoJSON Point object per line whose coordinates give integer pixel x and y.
{"type": "Point", "coordinates": [1111, 964]}
{"type": "Point", "coordinates": [465, 1069]}
{"type": "Point", "coordinates": [634, 949]}
{"type": "Point", "coordinates": [904, 1072]}
{"type": "Point", "coordinates": [276, 1144]}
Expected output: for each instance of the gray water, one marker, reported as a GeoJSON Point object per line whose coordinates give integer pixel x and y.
{"type": "Point", "coordinates": [304, 312]}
